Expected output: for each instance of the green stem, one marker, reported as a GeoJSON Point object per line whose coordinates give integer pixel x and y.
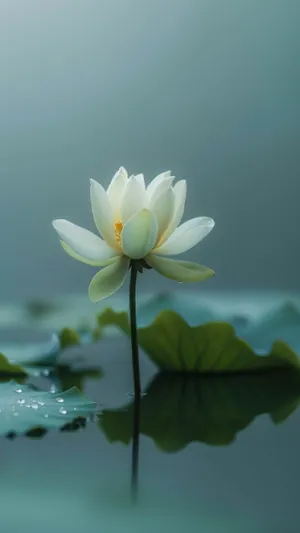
{"type": "Point", "coordinates": [135, 448]}
{"type": "Point", "coordinates": [133, 330]}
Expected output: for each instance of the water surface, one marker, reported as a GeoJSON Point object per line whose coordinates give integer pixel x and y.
{"type": "Point", "coordinates": [76, 481]}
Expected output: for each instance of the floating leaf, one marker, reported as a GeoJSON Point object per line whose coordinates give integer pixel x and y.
{"type": "Point", "coordinates": [7, 368]}
{"type": "Point", "coordinates": [39, 308]}
{"type": "Point", "coordinates": [41, 353]}
{"type": "Point", "coordinates": [32, 353]}
{"type": "Point", "coordinates": [75, 378]}
{"type": "Point", "coordinates": [68, 337]}
{"type": "Point", "coordinates": [259, 318]}
{"type": "Point", "coordinates": [97, 334]}
{"type": "Point", "coordinates": [180, 409]}
{"type": "Point", "coordinates": [282, 322]}
{"type": "Point", "coordinates": [173, 345]}
{"type": "Point", "coordinates": [190, 308]}
{"type": "Point", "coordinates": [24, 409]}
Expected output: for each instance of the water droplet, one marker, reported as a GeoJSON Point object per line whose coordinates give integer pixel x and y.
{"type": "Point", "coordinates": [16, 414]}
{"type": "Point", "coordinates": [75, 409]}
{"type": "Point", "coordinates": [35, 406]}
{"type": "Point", "coordinates": [46, 372]}
{"type": "Point", "coordinates": [63, 411]}
{"type": "Point", "coordinates": [21, 402]}
{"type": "Point", "coordinates": [41, 403]}
{"type": "Point", "coordinates": [46, 415]}
{"type": "Point", "coordinates": [59, 400]}
{"type": "Point", "coordinates": [19, 390]}
{"type": "Point", "coordinates": [53, 388]}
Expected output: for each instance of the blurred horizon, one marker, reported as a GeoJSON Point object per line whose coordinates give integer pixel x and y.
{"type": "Point", "coordinates": [206, 88]}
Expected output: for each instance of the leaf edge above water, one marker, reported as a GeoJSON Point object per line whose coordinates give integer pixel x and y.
{"type": "Point", "coordinates": [212, 348]}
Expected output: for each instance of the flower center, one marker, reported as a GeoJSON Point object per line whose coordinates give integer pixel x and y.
{"type": "Point", "coordinates": [118, 230]}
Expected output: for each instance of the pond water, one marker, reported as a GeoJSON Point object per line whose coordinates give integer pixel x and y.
{"type": "Point", "coordinates": [242, 474]}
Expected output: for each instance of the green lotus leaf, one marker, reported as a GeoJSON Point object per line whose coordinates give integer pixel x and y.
{"type": "Point", "coordinates": [24, 409]}
{"type": "Point", "coordinates": [174, 345]}
{"type": "Point", "coordinates": [68, 337]}
{"type": "Point", "coordinates": [7, 368]}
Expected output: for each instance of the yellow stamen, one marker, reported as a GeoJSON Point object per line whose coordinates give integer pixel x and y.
{"type": "Point", "coordinates": [118, 230]}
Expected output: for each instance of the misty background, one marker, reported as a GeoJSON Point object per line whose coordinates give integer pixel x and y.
{"type": "Point", "coordinates": [206, 88]}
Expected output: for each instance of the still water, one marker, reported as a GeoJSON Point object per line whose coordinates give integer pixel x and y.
{"type": "Point", "coordinates": [239, 475]}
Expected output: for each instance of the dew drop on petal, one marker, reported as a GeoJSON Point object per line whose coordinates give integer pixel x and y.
{"type": "Point", "coordinates": [59, 400]}
{"type": "Point", "coordinates": [63, 411]}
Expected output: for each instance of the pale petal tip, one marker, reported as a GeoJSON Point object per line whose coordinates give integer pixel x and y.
{"type": "Point", "coordinates": [181, 184]}
{"type": "Point", "coordinates": [168, 174]}
{"type": "Point", "coordinates": [122, 172]}
{"type": "Point", "coordinates": [56, 223]}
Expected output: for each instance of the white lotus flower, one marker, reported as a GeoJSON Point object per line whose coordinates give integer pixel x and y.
{"type": "Point", "coordinates": [136, 222]}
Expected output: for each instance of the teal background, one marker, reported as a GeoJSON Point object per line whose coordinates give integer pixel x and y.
{"type": "Point", "coordinates": [207, 88]}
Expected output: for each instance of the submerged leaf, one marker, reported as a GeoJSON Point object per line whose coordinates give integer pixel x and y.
{"type": "Point", "coordinates": [180, 409]}
{"type": "Point", "coordinates": [24, 409]}
{"type": "Point", "coordinates": [173, 345]}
